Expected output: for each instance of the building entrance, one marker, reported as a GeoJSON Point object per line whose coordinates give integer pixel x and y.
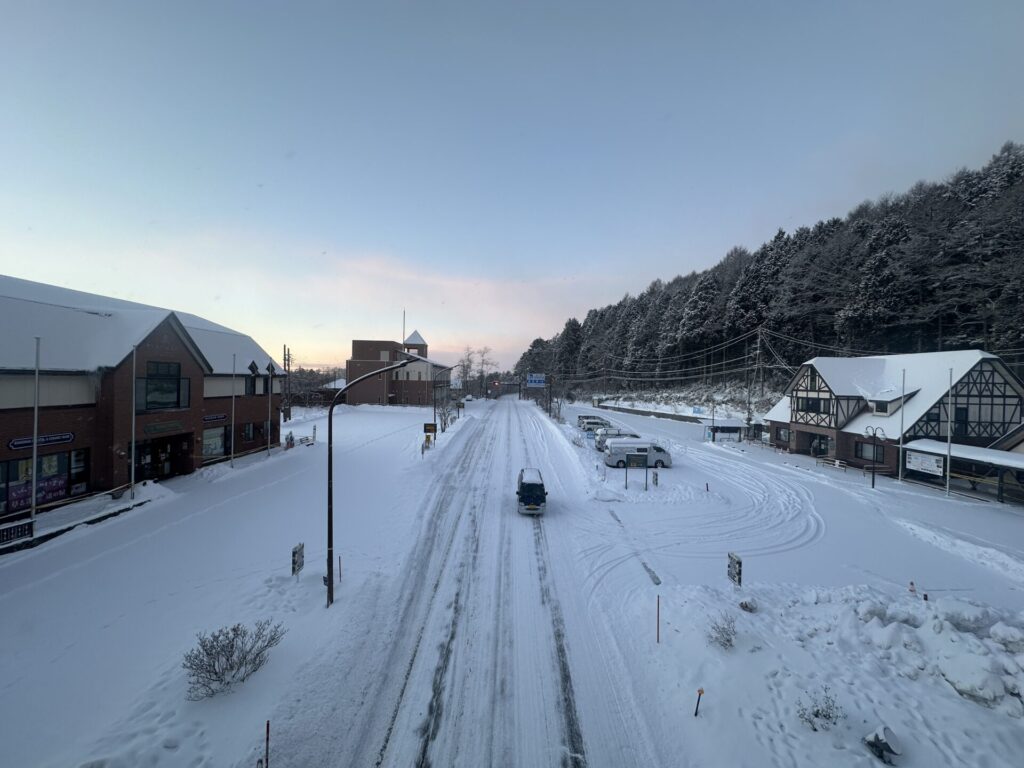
{"type": "Point", "coordinates": [164, 457]}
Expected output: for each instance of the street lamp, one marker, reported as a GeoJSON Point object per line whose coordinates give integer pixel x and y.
{"type": "Point", "coordinates": [873, 433]}
{"type": "Point", "coordinates": [330, 470]}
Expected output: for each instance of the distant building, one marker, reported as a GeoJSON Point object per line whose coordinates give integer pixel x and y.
{"type": "Point", "coordinates": [833, 404]}
{"type": "Point", "coordinates": [182, 370]}
{"type": "Point", "coordinates": [413, 385]}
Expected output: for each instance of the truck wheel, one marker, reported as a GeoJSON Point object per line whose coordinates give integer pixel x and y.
{"type": "Point", "coordinates": [621, 464]}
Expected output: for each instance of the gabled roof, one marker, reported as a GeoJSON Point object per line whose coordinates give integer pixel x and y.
{"type": "Point", "coordinates": [880, 377]}
{"type": "Point", "coordinates": [85, 332]}
{"type": "Point", "coordinates": [434, 363]}
{"type": "Point", "coordinates": [415, 339]}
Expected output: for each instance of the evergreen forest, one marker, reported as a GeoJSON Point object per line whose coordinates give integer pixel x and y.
{"type": "Point", "coordinates": [938, 267]}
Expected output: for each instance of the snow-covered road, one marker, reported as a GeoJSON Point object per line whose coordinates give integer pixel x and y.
{"type": "Point", "coordinates": [465, 634]}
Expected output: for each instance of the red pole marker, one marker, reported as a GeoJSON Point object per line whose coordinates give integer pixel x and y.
{"type": "Point", "coordinates": [700, 692]}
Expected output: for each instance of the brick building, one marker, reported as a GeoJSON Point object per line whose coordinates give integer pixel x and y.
{"type": "Point", "coordinates": [95, 354]}
{"type": "Point", "coordinates": [416, 384]}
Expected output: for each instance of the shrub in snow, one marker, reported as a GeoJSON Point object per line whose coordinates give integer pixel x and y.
{"type": "Point", "coordinates": [228, 655]}
{"type": "Point", "coordinates": [822, 711]}
{"type": "Point", "coordinates": [749, 605]}
{"type": "Point", "coordinates": [722, 631]}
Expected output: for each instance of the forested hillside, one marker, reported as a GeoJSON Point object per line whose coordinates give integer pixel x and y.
{"type": "Point", "coordinates": [940, 266]}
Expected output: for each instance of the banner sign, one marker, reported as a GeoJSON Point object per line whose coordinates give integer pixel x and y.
{"type": "Point", "coordinates": [535, 379]}
{"type": "Point", "coordinates": [56, 438]}
{"type": "Point", "coordinates": [735, 570]}
{"type": "Point", "coordinates": [925, 462]}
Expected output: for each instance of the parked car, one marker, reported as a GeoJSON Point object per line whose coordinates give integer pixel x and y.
{"type": "Point", "coordinates": [617, 448]}
{"type": "Point", "coordinates": [531, 492]}
{"type": "Point", "coordinates": [594, 423]}
{"type": "Point", "coordinates": [602, 435]}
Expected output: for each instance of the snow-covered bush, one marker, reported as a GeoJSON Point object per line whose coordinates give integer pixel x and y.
{"type": "Point", "coordinates": [228, 655]}
{"type": "Point", "coordinates": [722, 631]}
{"type": "Point", "coordinates": [822, 712]}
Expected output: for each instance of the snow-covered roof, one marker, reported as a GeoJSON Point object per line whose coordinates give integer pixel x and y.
{"type": "Point", "coordinates": [434, 363]}
{"type": "Point", "coordinates": [415, 338]}
{"type": "Point", "coordinates": [880, 378]}
{"type": "Point", "coordinates": [779, 411]}
{"type": "Point", "coordinates": [336, 384]}
{"type": "Point", "coordinates": [531, 475]}
{"type": "Point", "coordinates": [968, 453]}
{"type": "Point", "coordinates": [84, 332]}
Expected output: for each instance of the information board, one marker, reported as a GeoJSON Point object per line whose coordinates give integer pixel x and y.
{"type": "Point", "coordinates": [535, 379]}
{"type": "Point", "coordinates": [925, 462]}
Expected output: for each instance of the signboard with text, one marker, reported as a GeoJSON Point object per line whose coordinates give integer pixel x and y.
{"type": "Point", "coordinates": [430, 429]}
{"type": "Point", "coordinates": [735, 570]}
{"type": "Point", "coordinates": [925, 462]}
{"type": "Point", "coordinates": [636, 460]}
{"type": "Point", "coordinates": [535, 379]}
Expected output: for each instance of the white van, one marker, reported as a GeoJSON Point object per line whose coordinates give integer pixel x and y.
{"type": "Point", "coordinates": [617, 447]}
{"type": "Point", "coordinates": [593, 423]}
{"type": "Point", "coordinates": [604, 434]}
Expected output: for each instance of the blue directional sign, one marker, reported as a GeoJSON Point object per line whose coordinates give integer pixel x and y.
{"type": "Point", "coordinates": [535, 380]}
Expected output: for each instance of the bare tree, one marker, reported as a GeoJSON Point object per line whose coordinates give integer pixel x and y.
{"type": "Point", "coordinates": [465, 368]}
{"type": "Point", "coordinates": [484, 365]}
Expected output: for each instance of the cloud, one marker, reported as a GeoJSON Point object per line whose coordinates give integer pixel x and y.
{"type": "Point", "coordinates": [317, 297]}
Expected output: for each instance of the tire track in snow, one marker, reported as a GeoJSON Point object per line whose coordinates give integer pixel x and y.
{"type": "Point", "coordinates": [416, 575]}
{"type": "Point", "coordinates": [576, 754]}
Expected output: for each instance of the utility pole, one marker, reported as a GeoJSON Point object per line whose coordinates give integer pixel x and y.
{"type": "Point", "coordinates": [760, 369]}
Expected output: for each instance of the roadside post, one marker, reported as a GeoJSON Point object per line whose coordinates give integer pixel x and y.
{"type": "Point", "coordinates": [298, 559]}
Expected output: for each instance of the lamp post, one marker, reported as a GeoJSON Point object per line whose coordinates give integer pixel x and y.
{"type": "Point", "coordinates": [330, 470]}
{"type": "Point", "coordinates": [873, 433]}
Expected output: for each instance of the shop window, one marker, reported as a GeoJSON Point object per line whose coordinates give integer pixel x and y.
{"type": "Point", "coordinates": [247, 433]}
{"type": "Point", "coordinates": [78, 474]}
{"type": "Point", "coordinates": [870, 452]}
{"type": "Point", "coordinates": [214, 442]}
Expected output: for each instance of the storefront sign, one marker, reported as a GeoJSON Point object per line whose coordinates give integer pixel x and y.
{"type": "Point", "coordinates": [19, 495]}
{"type": "Point", "coordinates": [56, 438]}
{"type": "Point", "coordinates": [163, 428]}
{"type": "Point", "coordinates": [215, 417]}
{"type": "Point", "coordinates": [925, 462]}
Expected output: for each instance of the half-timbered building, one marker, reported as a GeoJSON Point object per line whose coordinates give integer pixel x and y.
{"type": "Point", "coordinates": [855, 410]}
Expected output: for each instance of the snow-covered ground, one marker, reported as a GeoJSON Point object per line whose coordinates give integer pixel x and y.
{"type": "Point", "coordinates": [466, 634]}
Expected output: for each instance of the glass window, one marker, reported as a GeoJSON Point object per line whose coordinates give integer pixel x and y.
{"type": "Point", "coordinates": [247, 433]}
{"type": "Point", "coordinates": [782, 434]}
{"type": "Point", "coordinates": [250, 385]}
{"type": "Point", "coordinates": [870, 452]}
{"type": "Point", "coordinates": [214, 442]}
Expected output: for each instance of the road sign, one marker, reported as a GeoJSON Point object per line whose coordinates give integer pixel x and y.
{"type": "Point", "coordinates": [636, 460]}
{"type": "Point", "coordinates": [535, 380]}
{"type": "Point", "coordinates": [298, 558]}
{"type": "Point", "coordinates": [430, 429]}
{"type": "Point", "coordinates": [735, 569]}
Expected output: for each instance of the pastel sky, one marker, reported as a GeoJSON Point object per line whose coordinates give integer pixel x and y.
{"type": "Point", "coordinates": [304, 171]}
